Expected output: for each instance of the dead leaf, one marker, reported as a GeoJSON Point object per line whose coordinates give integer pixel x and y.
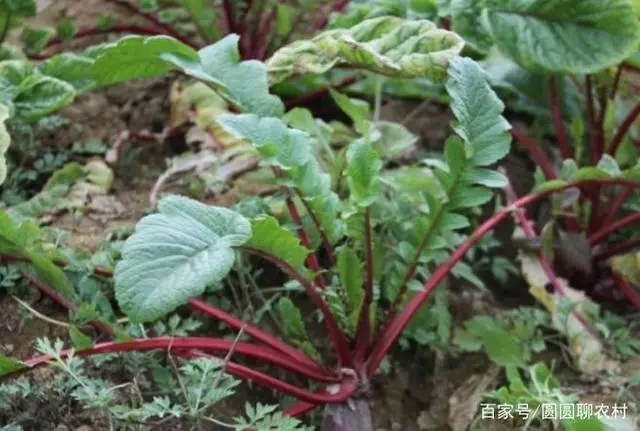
{"type": "Point", "coordinates": [585, 347]}
{"type": "Point", "coordinates": [464, 402]}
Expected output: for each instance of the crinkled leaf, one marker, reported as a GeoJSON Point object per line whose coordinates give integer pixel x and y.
{"type": "Point", "coordinates": [386, 45]}
{"type": "Point", "coordinates": [478, 112]}
{"type": "Point", "coordinates": [580, 36]}
{"type": "Point", "coordinates": [28, 93]}
{"type": "Point", "coordinates": [363, 169]}
{"type": "Point", "coordinates": [244, 83]}
{"type": "Point", "coordinates": [5, 141]}
{"type": "Point", "coordinates": [268, 236]}
{"type": "Point", "coordinates": [174, 254]}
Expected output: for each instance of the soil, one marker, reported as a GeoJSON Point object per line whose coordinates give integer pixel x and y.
{"type": "Point", "coordinates": [414, 395]}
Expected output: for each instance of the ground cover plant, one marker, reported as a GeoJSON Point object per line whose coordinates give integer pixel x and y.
{"type": "Point", "coordinates": [366, 231]}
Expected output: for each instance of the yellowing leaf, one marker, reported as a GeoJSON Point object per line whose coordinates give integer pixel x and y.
{"type": "Point", "coordinates": [585, 347]}
{"type": "Point", "coordinates": [196, 102]}
{"type": "Point", "coordinates": [386, 45]}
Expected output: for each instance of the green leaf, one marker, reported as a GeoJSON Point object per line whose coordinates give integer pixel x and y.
{"type": "Point", "coordinates": [386, 45]}
{"type": "Point", "coordinates": [467, 22]}
{"type": "Point", "coordinates": [66, 29]}
{"type": "Point", "coordinates": [350, 269]}
{"type": "Point", "coordinates": [36, 39]}
{"type": "Point", "coordinates": [174, 254]}
{"type": "Point", "coordinates": [486, 177]}
{"type": "Point", "coordinates": [363, 170]}
{"type": "Point", "coordinates": [244, 83]}
{"type": "Point", "coordinates": [80, 339]}
{"type": "Point", "coordinates": [502, 347]}
{"type": "Point", "coordinates": [8, 365]}
{"type": "Point", "coordinates": [357, 110]}
{"type": "Point", "coordinates": [21, 7]}
{"type": "Point", "coordinates": [478, 112]}
{"type": "Point", "coordinates": [38, 96]}
{"type": "Point", "coordinates": [394, 139]}
{"type": "Point", "coordinates": [281, 146]}
{"type": "Point", "coordinates": [291, 316]}
{"type": "Point", "coordinates": [134, 57]}
{"type": "Point", "coordinates": [70, 68]}
{"type": "Point", "coordinates": [609, 165]}
{"type": "Point", "coordinates": [268, 236]}
{"type": "Point", "coordinates": [5, 141]}
{"type": "Point", "coordinates": [578, 37]}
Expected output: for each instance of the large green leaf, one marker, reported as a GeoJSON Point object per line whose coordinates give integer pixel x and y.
{"type": "Point", "coordinates": [386, 45]}
{"type": "Point", "coordinates": [174, 254]}
{"type": "Point", "coordinates": [244, 83]}
{"type": "Point", "coordinates": [5, 140]}
{"type": "Point", "coordinates": [570, 36]}
{"type": "Point", "coordinates": [137, 57]}
{"type": "Point", "coordinates": [478, 113]}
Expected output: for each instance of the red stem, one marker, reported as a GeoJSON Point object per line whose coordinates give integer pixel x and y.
{"type": "Point", "coordinates": [337, 6]}
{"type": "Point", "coordinates": [621, 248]}
{"type": "Point", "coordinates": [544, 263]}
{"type": "Point", "coordinates": [628, 291]}
{"type": "Point", "coordinates": [197, 304]}
{"type": "Point", "coordinates": [536, 154]}
{"type": "Point", "coordinates": [631, 67]}
{"type": "Point", "coordinates": [558, 122]}
{"type": "Point", "coordinates": [347, 388]}
{"type": "Point", "coordinates": [616, 205]}
{"type": "Point", "coordinates": [363, 331]}
{"type": "Point", "coordinates": [312, 259]}
{"type": "Point", "coordinates": [594, 144]}
{"type": "Point", "coordinates": [609, 229]}
{"type": "Point", "coordinates": [261, 35]}
{"type": "Point", "coordinates": [254, 332]}
{"type": "Point", "coordinates": [395, 328]}
{"type": "Point", "coordinates": [320, 93]}
{"type": "Point", "coordinates": [616, 83]}
{"type": "Point", "coordinates": [624, 128]}
{"type": "Point", "coordinates": [335, 333]}
{"type": "Point", "coordinates": [58, 298]}
{"type": "Point", "coordinates": [152, 19]}
{"type": "Point", "coordinates": [229, 16]}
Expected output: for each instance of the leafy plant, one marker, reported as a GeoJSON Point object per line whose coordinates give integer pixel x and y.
{"type": "Point", "coordinates": [367, 242]}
